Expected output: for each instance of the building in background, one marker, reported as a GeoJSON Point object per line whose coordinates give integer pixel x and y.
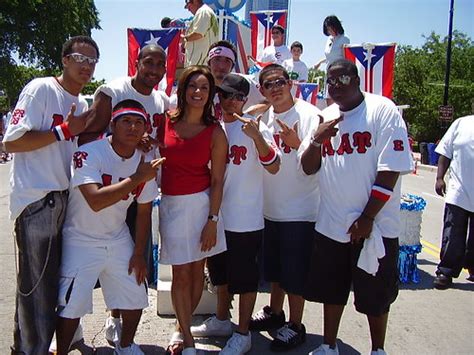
{"type": "Point", "coordinates": [259, 5]}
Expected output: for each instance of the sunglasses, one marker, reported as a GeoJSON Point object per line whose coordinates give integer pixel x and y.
{"type": "Point", "coordinates": [232, 96]}
{"type": "Point", "coordinates": [279, 83]}
{"type": "Point", "coordinates": [81, 58]}
{"type": "Point", "coordinates": [341, 79]}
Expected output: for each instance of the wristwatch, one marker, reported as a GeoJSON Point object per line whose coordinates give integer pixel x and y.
{"type": "Point", "coordinates": [314, 143]}
{"type": "Point", "coordinates": [213, 218]}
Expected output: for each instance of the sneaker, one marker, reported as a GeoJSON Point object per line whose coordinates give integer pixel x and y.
{"type": "Point", "coordinates": [133, 349]}
{"type": "Point", "coordinates": [471, 275]}
{"type": "Point", "coordinates": [378, 352]}
{"type": "Point", "coordinates": [325, 349]}
{"type": "Point", "coordinates": [265, 319]}
{"type": "Point", "coordinates": [238, 344]}
{"type": "Point", "coordinates": [442, 282]}
{"type": "Point", "coordinates": [113, 330]}
{"type": "Point", "coordinates": [78, 336]}
{"type": "Point", "coordinates": [288, 337]}
{"type": "Point", "coordinates": [213, 327]}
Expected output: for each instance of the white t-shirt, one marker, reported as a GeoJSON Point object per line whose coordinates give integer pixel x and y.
{"type": "Point", "coordinates": [297, 70]}
{"type": "Point", "coordinates": [371, 138]}
{"type": "Point", "coordinates": [275, 54]}
{"type": "Point", "coordinates": [333, 49]}
{"type": "Point", "coordinates": [242, 203]}
{"type": "Point", "coordinates": [43, 104]}
{"type": "Point", "coordinates": [155, 104]}
{"type": "Point", "coordinates": [458, 145]}
{"type": "Point", "coordinates": [291, 195]}
{"type": "Point", "coordinates": [98, 163]}
{"type": "Point", "coordinates": [205, 23]}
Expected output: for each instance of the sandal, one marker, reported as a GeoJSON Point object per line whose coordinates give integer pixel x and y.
{"type": "Point", "coordinates": [175, 346]}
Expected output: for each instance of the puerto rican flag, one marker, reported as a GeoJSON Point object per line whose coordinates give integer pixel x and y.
{"type": "Point", "coordinates": [375, 63]}
{"type": "Point", "coordinates": [235, 34]}
{"type": "Point", "coordinates": [261, 24]}
{"type": "Point", "coordinates": [168, 39]}
{"type": "Point", "coordinates": [307, 92]}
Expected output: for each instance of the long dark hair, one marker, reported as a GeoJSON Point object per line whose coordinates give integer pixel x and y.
{"type": "Point", "coordinates": [183, 83]}
{"type": "Point", "coordinates": [332, 21]}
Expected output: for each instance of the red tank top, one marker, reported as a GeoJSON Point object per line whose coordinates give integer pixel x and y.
{"type": "Point", "coordinates": [186, 169]}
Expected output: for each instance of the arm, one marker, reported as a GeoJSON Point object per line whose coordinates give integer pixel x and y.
{"type": "Point", "coordinates": [33, 140]}
{"type": "Point", "coordinates": [443, 165]}
{"type": "Point", "coordinates": [137, 262]}
{"type": "Point", "coordinates": [99, 197]}
{"type": "Point", "coordinates": [192, 37]}
{"type": "Point", "coordinates": [318, 64]}
{"type": "Point", "coordinates": [219, 148]}
{"type": "Point", "coordinates": [362, 226]}
{"type": "Point", "coordinates": [102, 107]}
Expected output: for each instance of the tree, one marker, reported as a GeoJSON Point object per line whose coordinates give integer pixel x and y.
{"type": "Point", "coordinates": [419, 82]}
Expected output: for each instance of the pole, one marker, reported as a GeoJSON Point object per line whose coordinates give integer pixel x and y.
{"type": "Point", "coordinates": [448, 54]}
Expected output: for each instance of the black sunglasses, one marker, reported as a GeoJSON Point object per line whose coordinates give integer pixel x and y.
{"type": "Point", "coordinates": [279, 83]}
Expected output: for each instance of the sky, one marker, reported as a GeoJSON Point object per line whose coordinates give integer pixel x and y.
{"type": "Point", "coordinates": [402, 21]}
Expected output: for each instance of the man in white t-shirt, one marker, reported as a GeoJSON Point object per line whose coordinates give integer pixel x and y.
{"type": "Point", "coordinates": [201, 33]}
{"type": "Point", "coordinates": [456, 150]}
{"type": "Point", "coordinates": [291, 199]}
{"type": "Point", "coordinates": [107, 175]}
{"type": "Point", "coordinates": [41, 134]}
{"type": "Point", "coordinates": [252, 150]}
{"type": "Point", "coordinates": [358, 159]}
{"type": "Point", "coordinates": [277, 52]}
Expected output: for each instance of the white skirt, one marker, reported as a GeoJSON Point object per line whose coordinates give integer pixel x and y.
{"type": "Point", "coordinates": [182, 219]}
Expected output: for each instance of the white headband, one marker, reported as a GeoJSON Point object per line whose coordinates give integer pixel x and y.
{"type": "Point", "coordinates": [128, 111]}
{"type": "Point", "coordinates": [221, 52]}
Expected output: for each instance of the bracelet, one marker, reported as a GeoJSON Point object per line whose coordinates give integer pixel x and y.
{"type": "Point", "coordinates": [269, 158]}
{"type": "Point", "coordinates": [381, 193]}
{"type": "Point", "coordinates": [367, 216]}
{"type": "Point", "coordinates": [314, 143]}
{"type": "Point", "coordinates": [62, 132]}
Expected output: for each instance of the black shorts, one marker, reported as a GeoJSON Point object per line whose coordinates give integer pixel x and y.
{"type": "Point", "coordinates": [287, 250]}
{"type": "Point", "coordinates": [237, 267]}
{"type": "Point", "coordinates": [334, 269]}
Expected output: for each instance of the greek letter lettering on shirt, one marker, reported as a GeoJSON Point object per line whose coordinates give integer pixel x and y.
{"type": "Point", "coordinates": [17, 115]}
{"type": "Point", "coordinates": [237, 153]}
{"type": "Point", "coordinates": [78, 159]}
{"type": "Point", "coordinates": [107, 181]}
{"type": "Point", "coordinates": [284, 148]}
{"type": "Point", "coordinates": [398, 145]}
{"type": "Point", "coordinates": [360, 140]}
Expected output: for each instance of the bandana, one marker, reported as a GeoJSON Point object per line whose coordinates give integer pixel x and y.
{"type": "Point", "coordinates": [128, 111]}
{"type": "Point", "coordinates": [221, 52]}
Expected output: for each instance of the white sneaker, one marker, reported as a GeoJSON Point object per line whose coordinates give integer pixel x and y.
{"type": "Point", "coordinates": [378, 352]}
{"type": "Point", "coordinates": [78, 335]}
{"type": "Point", "coordinates": [113, 330]}
{"type": "Point", "coordinates": [133, 349]}
{"type": "Point", "coordinates": [324, 349]}
{"type": "Point", "coordinates": [238, 344]}
{"type": "Point", "coordinates": [213, 327]}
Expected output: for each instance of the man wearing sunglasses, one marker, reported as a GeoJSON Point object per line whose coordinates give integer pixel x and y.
{"type": "Point", "coordinates": [358, 159]}
{"type": "Point", "coordinates": [252, 150]}
{"type": "Point", "coordinates": [291, 200]}
{"type": "Point", "coordinates": [277, 52]}
{"type": "Point", "coordinates": [42, 134]}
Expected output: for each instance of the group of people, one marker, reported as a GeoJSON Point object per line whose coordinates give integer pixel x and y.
{"type": "Point", "coordinates": [315, 192]}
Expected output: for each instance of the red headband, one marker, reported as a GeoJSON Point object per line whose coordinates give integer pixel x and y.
{"type": "Point", "coordinates": [128, 111]}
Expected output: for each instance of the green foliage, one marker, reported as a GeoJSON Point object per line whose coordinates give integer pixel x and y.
{"type": "Point", "coordinates": [313, 76]}
{"type": "Point", "coordinates": [91, 87]}
{"type": "Point", "coordinates": [419, 82]}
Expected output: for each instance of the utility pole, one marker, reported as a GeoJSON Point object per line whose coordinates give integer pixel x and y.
{"type": "Point", "coordinates": [448, 54]}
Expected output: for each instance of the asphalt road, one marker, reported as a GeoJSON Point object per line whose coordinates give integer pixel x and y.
{"type": "Point", "coordinates": [422, 320]}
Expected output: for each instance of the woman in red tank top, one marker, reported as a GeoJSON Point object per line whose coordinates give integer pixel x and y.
{"type": "Point", "coordinates": [195, 148]}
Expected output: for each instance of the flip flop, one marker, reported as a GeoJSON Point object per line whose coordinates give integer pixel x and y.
{"type": "Point", "coordinates": [175, 346]}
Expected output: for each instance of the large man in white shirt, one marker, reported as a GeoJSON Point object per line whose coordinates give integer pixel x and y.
{"type": "Point", "coordinates": [107, 175]}
{"type": "Point", "coordinates": [291, 201]}
{"type": "Point", "coordinates": [456, 150]}
{"type": "Point", "coordinates": [358, 164]}
{"type": "Point", "coordinates": [41, 135]}
{"type": "Point", "coordinates": [278, 52]}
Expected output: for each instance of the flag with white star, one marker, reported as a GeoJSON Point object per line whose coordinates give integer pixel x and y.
{"type": "Point", "coordinates": [168, 39]}
{"type": "Point", "coordinates": [307, 92]}
{"type": "Point", "coordinates": [261, 24]}
{"type": "Point", "coordinates": [375, 63]}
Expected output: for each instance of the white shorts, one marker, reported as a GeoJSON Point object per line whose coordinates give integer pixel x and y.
{"type": "Point", "coordinates": [81, 266]}
{"type": "Point", "coordinates": [182, 219]}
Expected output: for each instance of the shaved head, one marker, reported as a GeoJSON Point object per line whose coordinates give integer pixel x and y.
{"type": "Point", "coordinates": [150, 48]}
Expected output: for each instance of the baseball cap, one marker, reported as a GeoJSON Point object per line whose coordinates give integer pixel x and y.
{"type": "Point", "coordinates": [235, 84]}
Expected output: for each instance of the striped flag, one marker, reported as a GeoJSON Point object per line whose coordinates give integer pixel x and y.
{"type": "Point", "coordinates": [261, 24]}
{"type": "Point", "coordinates": [236, 33]}
{"type": "Point", "coordinates": [168, 39]}
{"type": "Point", "coordinates": [375, 63]}
{"type": "Point", "coordinates": [307, 92]}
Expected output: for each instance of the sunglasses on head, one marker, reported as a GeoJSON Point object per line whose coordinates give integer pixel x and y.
{"type": "Point", "coordinates": [279, 83]}
{"type": "Point", "coordinates": [341, 79]}
{"type": "Point", "coordinates": [81, 58]}
{"type": "Point", "coordinates": [233, 96]}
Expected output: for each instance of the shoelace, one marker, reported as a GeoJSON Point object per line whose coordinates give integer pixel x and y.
{"type": "Point", "coordinates": [261, 315]}
{"type": "Point", "coordinates": [286, 334]}
{"type": "Point", "coordinates": [234, 342]}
